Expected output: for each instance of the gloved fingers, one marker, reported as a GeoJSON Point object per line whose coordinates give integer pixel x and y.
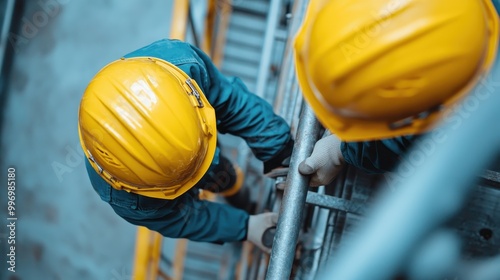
{"type": "Point", "coordinates": [324, 177]}
{"type": "Point", "coordinates": [319, 157]}
{"type": "Point", "coordinates": [268, 238]}
{"type": "Point", "coordinates": [260, 230]}
{"type": "Point", "coordinates": [315, 181]}
{"type": "Point", "coordinates": [308, 166]}
{"type": "Point", "coordinates": [273, 219]}
{"type": "Point", "coordinates": [269, 219]}
{"type": "Point", "coordinates": [266, 241]}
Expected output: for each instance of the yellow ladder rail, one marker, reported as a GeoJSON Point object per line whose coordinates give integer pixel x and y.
{"type": "Point", "coordinates": [215, 43]}
{"type": "Point", "coordinates": [180, 15]}
{"type": "Point", "coordinates": [147, 255]}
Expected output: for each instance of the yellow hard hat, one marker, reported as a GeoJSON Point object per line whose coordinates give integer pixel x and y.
{"type": "Point", "coordinates": [146, 127]}
{"type": "Point", "coordinates": [384, 68]}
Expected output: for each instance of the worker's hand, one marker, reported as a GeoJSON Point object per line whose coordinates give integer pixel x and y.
{"type": "Point", "coordinates": [258, 225]}
{"type": "Point", "coordinates": [325, 162]}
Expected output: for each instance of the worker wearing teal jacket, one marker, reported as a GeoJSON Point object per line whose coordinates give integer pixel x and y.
{"type": "Point", "coordinates": [379, 73]}
{"type": "Point", "coordinates": [377, 156]}
{"type": "Point", "coordinates": [148, 126]}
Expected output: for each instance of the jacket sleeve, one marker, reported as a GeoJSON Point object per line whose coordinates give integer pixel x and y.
{"type": "Point", "coordinates": [377, 156]}
{"type": "Point", "coordinates": [184, 217]}
{"type": "Point", "coordinates": [191, 218]}
{"type": "Point", "coordinates": [244, 114]}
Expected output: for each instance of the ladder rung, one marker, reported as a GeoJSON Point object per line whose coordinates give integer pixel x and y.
{"type": "Point", "coordinates": [253, 6]}
{"type": "Point", "coordinates": [336, 203]}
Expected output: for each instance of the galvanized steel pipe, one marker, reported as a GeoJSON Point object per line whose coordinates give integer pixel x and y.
{"type": "Point", "coordinates": [294, 198]}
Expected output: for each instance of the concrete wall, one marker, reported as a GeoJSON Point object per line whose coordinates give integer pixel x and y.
{"type": "Point", "coordinates": [64, 231]}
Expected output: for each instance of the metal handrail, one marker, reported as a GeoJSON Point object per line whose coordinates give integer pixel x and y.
{"type": "Point", "coordinates": [265, 61]}
{"type": "Point", "coordinates": [294, 198]}
{"type": "Point", "coordinates": [293, 201]}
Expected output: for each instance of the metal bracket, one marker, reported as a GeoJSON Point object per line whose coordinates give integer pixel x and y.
{"type": "Point", "coordinates": [195, 93]}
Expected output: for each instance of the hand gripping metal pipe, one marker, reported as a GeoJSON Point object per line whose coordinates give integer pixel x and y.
{"type": "Point", "coordinates": [294, 198]}
{"type": "Point", "coordinates": [439, 174]}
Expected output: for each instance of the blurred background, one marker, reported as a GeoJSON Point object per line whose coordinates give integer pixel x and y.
{"type": "Point", "coordinates": [63, 230]}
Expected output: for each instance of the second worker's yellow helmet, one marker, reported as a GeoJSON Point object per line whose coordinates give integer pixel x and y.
{"type": "Point", "coordinates": [146, 127]}
{"type": "Point", "coordinates": [384, 68]}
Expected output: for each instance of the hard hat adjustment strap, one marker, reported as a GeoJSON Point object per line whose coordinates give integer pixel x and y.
{"type": "Point", "coordinates": [195, 93]}
{"type": "Point", "coordinates": [103, 173]}
{"type": "Point", "coordinates": [91, 158]}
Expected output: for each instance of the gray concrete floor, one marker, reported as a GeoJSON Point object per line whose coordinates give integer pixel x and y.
{"type": "Point", "coordinates": [64, 231]}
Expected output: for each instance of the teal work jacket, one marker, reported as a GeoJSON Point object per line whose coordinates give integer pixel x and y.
{"type": "Point", "coordinates": [238, 112]}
